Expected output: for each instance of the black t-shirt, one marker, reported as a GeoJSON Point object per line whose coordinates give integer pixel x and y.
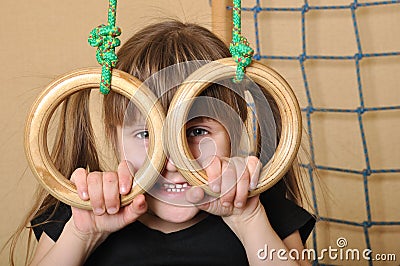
{"type": "Point", "coordinates": [209, 242]}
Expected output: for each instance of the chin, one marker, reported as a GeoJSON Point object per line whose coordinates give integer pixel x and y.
{"type": "Point", "coordinates": [172, 213]}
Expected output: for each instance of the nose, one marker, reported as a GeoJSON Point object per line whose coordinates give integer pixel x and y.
{"type": "Point", "coordinates": [170, 167]}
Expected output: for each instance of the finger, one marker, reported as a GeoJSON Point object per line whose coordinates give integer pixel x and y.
{"type": "Point", "coordinates": [78, 177]}
{"type": "Point", "coordinates": [213, 171]}
{"type": "Point", "coordinates": [95, 190]}
{"type": "Point", "coordinates": [228, 184]}
{"type": "Point", "coordinates": [135, 209]}
{"type": "Point", "coordinates": [242, 186]}
{"type": "Point", "coordinates": [195, 195]}
{"type": "Point", "coordinates": [254, 165]}
{"type": "Point", "coordinates": [125, 177]}
{"type": "Point", "coordinates": [111, 192]}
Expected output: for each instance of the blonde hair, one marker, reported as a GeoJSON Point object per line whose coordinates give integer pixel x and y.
{"type": "Point", "coordinates": [153, 48]}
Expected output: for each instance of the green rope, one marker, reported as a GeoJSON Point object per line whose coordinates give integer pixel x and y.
{"type": "Point", "coordinates": [104, 37]}
{"type": "Point", "coordinates": [240, 49]}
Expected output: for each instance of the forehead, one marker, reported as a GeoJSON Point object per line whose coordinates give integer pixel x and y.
{"type": "Point", "coordinates": [133, 116]}
{"type": "Point", "coordinates": [140, 121]}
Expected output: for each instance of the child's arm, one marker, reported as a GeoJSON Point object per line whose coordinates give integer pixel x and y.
{"type": "Point", "coordinates": [294, 241]}
{"type": "Point", "coordinates": [263, 246]}
{"type": "Point", "coordinates": [246, 217]}
{"type": "Point", "coordinates": [70, 249]}
{"type": "Point", "coordinates": [88, 229]}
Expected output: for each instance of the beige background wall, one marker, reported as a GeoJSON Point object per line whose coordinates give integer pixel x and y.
{"type": "Point", "coordinates": [42, 39]}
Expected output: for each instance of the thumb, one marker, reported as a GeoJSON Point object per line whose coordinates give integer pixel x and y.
{"type": "Point", "coordinates": [197, 196]}
{"type": "Point", "coordinates": [135, 209]}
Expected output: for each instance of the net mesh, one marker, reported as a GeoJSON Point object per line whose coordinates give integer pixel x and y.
{"type": "Point", "coordinates": [255, 10]}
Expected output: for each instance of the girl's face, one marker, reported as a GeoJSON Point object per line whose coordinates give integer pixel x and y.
{"type": "Point", "coordinates": [206, 138]}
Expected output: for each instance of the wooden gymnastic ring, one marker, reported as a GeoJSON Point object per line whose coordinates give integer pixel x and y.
{"type": "Point", "coordinates": [38, 120]}
{"type": "Point", "coordinates": [269, 80]}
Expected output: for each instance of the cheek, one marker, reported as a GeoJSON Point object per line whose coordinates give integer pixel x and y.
{"type": "Point", "coordinates": [208, 147]}
{"type": "Point", "coordinates": [205, 149]}
{"type": "Point", "coordinates": [135, 152]}
{"type": "Point", "coordinates": [223, 146]}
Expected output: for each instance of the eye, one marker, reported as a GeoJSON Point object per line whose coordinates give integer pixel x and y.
{"type": "Point", "coordinates": [195, 132]}
{"type": "Point", "coordinates": [142, 134]}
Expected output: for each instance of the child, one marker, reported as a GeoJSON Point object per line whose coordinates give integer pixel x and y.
{"type": "Point", "coordinates": [152, 230]}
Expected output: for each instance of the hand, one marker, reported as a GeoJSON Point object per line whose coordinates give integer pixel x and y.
{"type": "Point", "coordinates": [232, 178]}
{"type": "Point", "coordinates": [103, 189]}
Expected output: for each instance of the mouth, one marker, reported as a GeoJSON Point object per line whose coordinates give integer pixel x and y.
{"type": "Point", "coordinates": [171, 192]}
{"type": "Point", "coordinates": [175, 187]}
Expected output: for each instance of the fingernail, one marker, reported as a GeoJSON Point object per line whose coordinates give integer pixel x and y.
{"type": "Point", "coordinates": [253, 186]}
{"type": "Point", "coordinates": [98, 211]}
{"type": "Point", "coordinates": [226, 204]}
{"type": "Point", "coordinates": [85, 195]}
{"type": "Point", "coordinates": [112, 210]}
{"type": "Point", "coordinates": [215, 188]}
{"type": "Point", "coordinates": [238, 204]}
{"type": "Point", "coordinates": [123, 190]}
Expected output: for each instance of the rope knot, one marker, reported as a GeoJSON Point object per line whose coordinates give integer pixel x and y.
{"type": "Point", "coordinates": [105, 39]}
{"type": "Point", "coordinates": [242, 53]}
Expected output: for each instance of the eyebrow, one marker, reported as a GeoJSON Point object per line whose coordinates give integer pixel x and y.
{"type": "Point", "coordinates": [202, 119]}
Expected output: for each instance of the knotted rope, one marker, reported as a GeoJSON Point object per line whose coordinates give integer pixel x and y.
{"type": "Point", "coordinates": [240, 49]}
{"type": "Point", "coordinates": [104, 37]}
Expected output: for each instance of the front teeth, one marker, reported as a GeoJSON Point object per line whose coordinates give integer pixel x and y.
{"type": "Point", "coordinates": [175, 187]}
